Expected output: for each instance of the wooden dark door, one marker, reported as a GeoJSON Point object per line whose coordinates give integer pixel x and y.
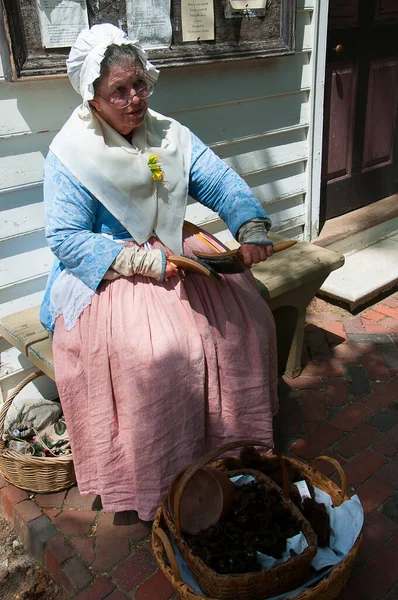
{"type": "Point", "coordinates": [360, 148]}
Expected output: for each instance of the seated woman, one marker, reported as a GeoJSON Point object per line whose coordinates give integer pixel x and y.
{"type": "Point", "coordinates": [154, 366]}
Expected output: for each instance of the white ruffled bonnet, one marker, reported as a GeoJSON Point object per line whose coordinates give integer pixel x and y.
{"type": "Point", "coordinates": [84, 61]}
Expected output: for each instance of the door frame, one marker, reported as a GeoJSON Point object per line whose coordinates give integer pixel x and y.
{"type": "Point", "coordinates": [5, 64]}
{"type": "Point", "coordinates": [315, 133]}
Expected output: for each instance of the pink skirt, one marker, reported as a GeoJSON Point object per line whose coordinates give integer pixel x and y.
{"type": "Point", "coordinates": [155, 374]}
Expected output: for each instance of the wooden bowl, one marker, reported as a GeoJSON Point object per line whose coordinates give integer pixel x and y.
{"type": "Point", "coordinates": [207, 498]}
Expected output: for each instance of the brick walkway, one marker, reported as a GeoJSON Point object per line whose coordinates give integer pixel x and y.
{"type": "Point", "coordinates": [345, 404]}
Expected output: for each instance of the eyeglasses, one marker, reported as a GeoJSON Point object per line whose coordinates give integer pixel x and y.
{"type": "Point", "coordinates": [141, 89]}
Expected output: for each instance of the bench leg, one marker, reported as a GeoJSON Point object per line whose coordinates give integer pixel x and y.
{"type": "Point", "coordinates": [289, 312]}
{"type": "Point", "coordinates": [293, 365]}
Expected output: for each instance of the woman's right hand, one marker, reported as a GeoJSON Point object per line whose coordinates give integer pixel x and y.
{"type": "Point", "coordinates": [171, 269]}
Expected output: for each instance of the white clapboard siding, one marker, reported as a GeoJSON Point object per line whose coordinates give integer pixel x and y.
{"type": "Point", "coordinates": [22, 245]}
{"type": "Point", "coordinates": [19, 196]}
{"type": "Point", "coordinates": [25, 168]}
{"type": "Point", "coordinates": [265, 151]}
{"type": "Point", "coordinates": [233, 121]}
{"type": "Point", "coordinates": [21, 289]}
{"type": "Point", "coordinates": [304, 31]}
{"type": "Point", "coordinates": [255, 114]}
{"type": "Point", "coordinates": [30, 107]}
{"type": "Point", "coordinates": [28, 300]}
{"type": "Point", "coordinates": [19, 268]}
{"type": "Point", "coordinates": [241, 82]}
{"type": "Point", "coordinates": [259, 161]}
{"type": "Point", "coordinates": [295, 232]}
{"type": "Point", "coordinates": [20, 221]}
{"type": "Point", "coordinates": [287, 210]}
{"type": "Point", "coordinates": [22, 158]}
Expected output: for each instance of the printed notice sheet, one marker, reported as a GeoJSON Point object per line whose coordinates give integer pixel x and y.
{"type": "Point", "coordinates": [197, 18]}
{"type": "Point", "coordinates": [61, 21]}
{"type": "Point", "coordinates": [149, 22]}
{"type": "Point", "coordinates": [252, 4]}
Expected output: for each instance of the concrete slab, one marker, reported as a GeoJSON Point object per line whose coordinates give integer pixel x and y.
{"type": "Point", "coordinates": [365, 274]}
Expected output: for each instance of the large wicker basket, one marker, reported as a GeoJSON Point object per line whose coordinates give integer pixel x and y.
{"type": "Point", "coordinates": [328, 589]}
{"type": "Point", "coordinates": [248, 586]}
{"type": "Point", "coordinates": [33, 473]}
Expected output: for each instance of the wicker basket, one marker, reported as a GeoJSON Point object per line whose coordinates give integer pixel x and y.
{"type": "Point", "coordinates": [33, 473]}
{"type": "Point", "coordinates": [328, 589]}
{"type": "Point", "coordinates": [248, 586]}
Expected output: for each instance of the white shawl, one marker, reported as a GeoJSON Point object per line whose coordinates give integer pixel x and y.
{"type": "Point", "coordinates": [117, 172]}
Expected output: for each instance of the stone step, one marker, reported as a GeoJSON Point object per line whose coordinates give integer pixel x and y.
{"type": "Point", "coordinates": [365, 274]}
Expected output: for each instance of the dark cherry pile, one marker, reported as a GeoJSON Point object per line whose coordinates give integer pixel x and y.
{"type": "Point", "coordinates": [313, 511]}
{"type": "Point", "coordinates": [257, 522]}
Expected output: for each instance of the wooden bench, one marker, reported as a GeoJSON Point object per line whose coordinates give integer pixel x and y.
{"type": "Point", "coordinates": [287, 282]}
{"type": "Point", "coordinates": [24, 331]}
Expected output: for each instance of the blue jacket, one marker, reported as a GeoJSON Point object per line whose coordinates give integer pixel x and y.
{"type": "Point", "coordinates": [75, 220]}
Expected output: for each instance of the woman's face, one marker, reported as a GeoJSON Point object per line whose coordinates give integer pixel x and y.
{"type": "Point", "coordinates": [118, 80]}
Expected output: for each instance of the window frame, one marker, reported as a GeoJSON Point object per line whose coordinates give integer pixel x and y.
{"type": "Point", "coordinates": [51, 63]}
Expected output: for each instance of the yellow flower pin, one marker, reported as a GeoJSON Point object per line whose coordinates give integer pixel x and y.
{"type": "Point", "coordinates": [153, 164]}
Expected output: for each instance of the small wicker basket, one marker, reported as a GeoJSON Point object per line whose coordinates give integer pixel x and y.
{"type": "Point", "coordinates": [328, 589]}
{"type": "Point", "coordinates": [33, 473]}
{"type": "Point", "coordinates": [248, 586]}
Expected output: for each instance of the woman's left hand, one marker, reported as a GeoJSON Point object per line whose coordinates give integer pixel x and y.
{"type": "Point", "coordinates": [254, 253]}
